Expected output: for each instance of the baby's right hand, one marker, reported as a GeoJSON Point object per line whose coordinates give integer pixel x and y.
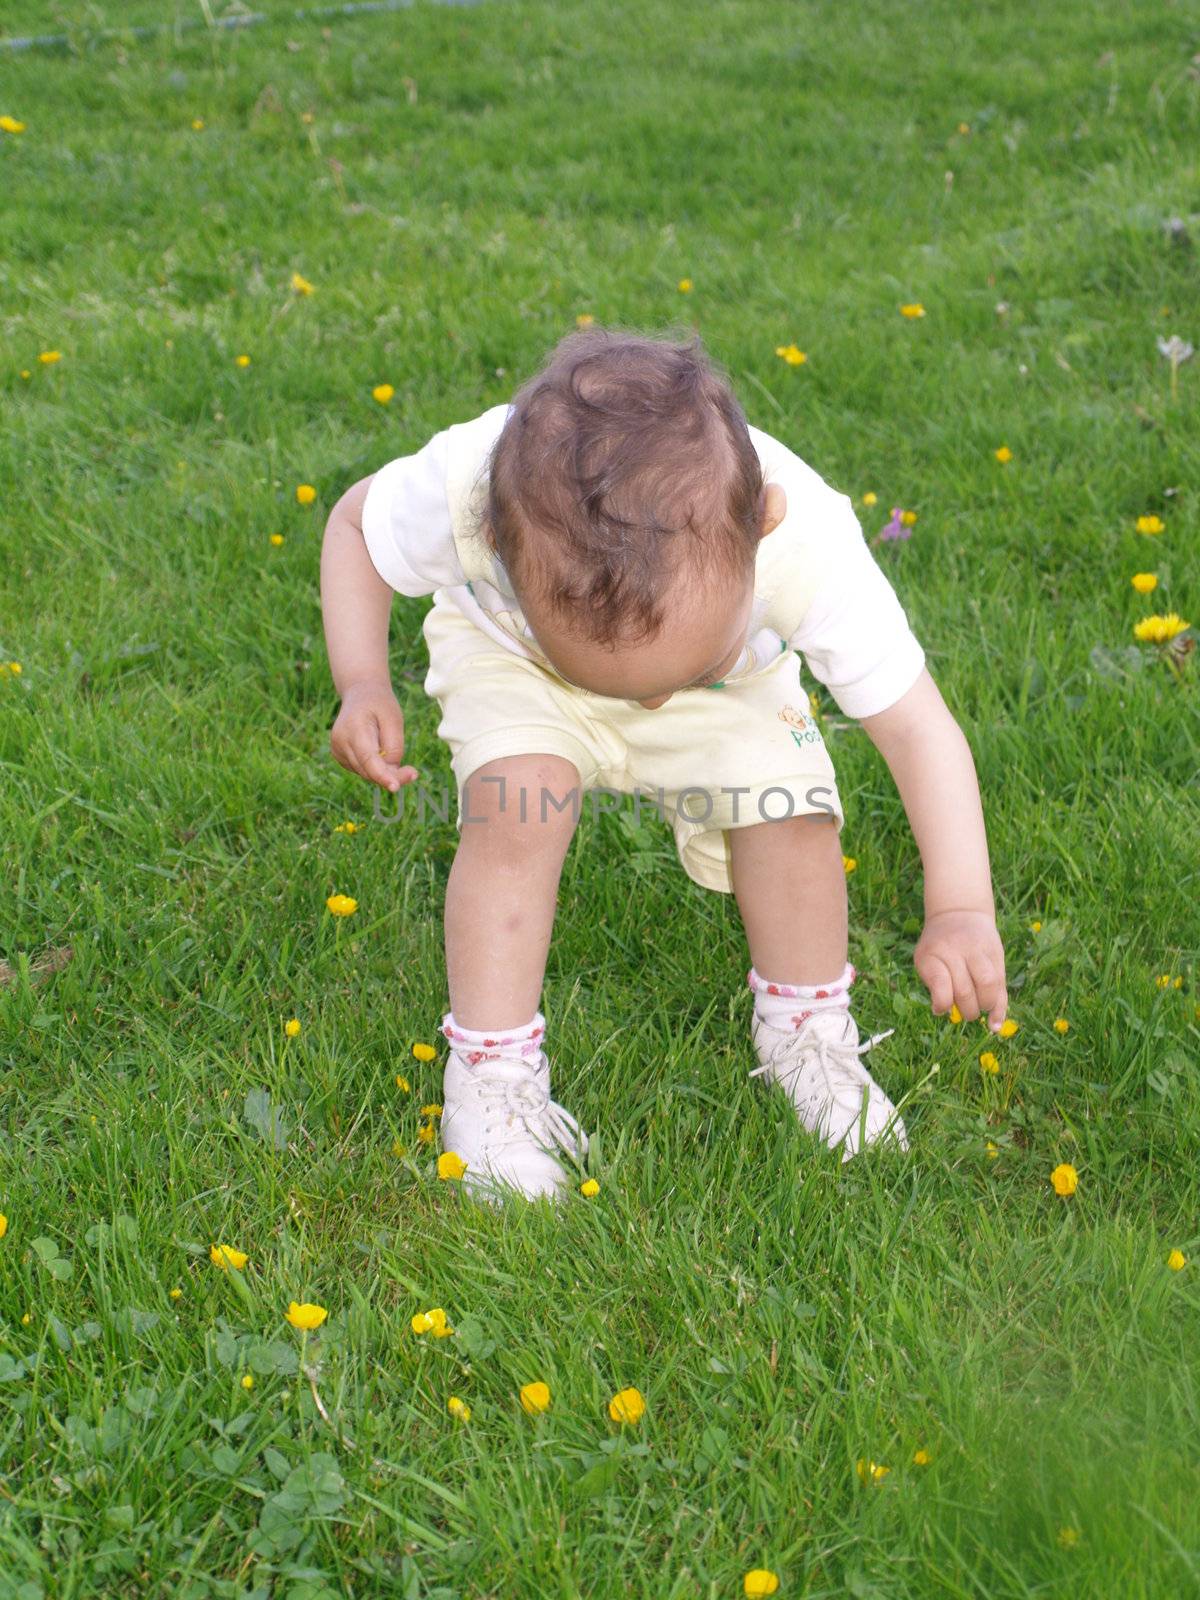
{"type": "Point", "coordinates": [368, 736]}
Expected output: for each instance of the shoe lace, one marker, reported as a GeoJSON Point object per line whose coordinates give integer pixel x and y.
{"type": "Point", "coordinates": [798, 1052]}
{"type": "Point", "coordinates": [511, 1090]}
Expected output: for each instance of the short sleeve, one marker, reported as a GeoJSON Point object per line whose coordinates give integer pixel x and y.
{"type": "Point", "coordinates": [406, 522]}
{"type": "Point", "coordinates": [855, 635]}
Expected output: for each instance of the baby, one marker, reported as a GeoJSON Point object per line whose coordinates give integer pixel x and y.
{"type": "Point", "coordinates": [623, 571]}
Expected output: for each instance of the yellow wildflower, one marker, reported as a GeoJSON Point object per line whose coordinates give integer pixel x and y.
{"type": "Point", "coordinates": [793, 356]}
{"type": "Point", "coordinates": [871, 1471]}
{"type": "Point", "coordinates": [26, 1319]}
{"type": "Point", "coordinates": [1150, 524]}
{"type": "Point", "coordinates": [1035, 927]}
{"type": "Point", "coordinates": [760, 1581]}
{"type": "Point", "coordinates": [1163, 981]}
{"type": "Point", "coordinates": [1144, 582]}
{"type": "Point", "coordinates": [424, 1052]}
{"type": "Point", "coordinates": [433, 1110]}
{"type": "Point", "coordinates": [301, 285]}
{"type": "Point", "coordinates": [450, 1166]}
{"type": "Point", "coordinates": [627, 1405]}
{"type": "Point", "coordinates": [346, 827]}
{"type": "Point", "coordinates": [992, 1149]}
{"type": "Point", "coordinates": [425, 1133]}
{"type": "Point", "coordinates": [1177, 1261]}
{"type": "Point", "coordinates": [341, 905]}
{"type": "Point", "coordinates": [916, 309]}
{"type": "Point", "coordinates": [955, 1013]}
{"type": "Point", "coordinates": [197, 124]}
{"type": "Point", "coordinates": [248, 1381]}
{"type": "Point", "coordinates": [1065, 1179]}
{"type": "Point", "coordinates": [306, 1316]}
{"type": "Point", "coordinates": [535, 1398]}
{"type": "Point", "coordinates": [292, 1027]}
{"type": "Point", "coordinates": [964, 127]}
{"type": "Point", "coordinates": [3, 1224]}
{"type": "Point", "coordinates": [584, 319]}
{"type": "Point", "coordinates": [1061, 1025]}
{"type": "Point", "coordinates": [11, 125]}
{"type": "Point", "coordinates": [277, 540]}
{"type": "Point", "coordinates": [307, 117]}
{"type": "Point", "coordinates": [25, 373]}
{"type": "Point", "coordinates": [458, 1409]}
{"type": "Point", "coordinates": [870, 498]}
{"type": "Point", "coordinates": [988, 1062]}
{"type": "Point", "coordinates": [399, 1150]}
{"type": "Point", "coordinates": [403, 1084]}
{"type": "Point", "coordinates": [921, 1458]}
{"type": "Point", "coordinates": [1159, 629]}
{"type": "Point", "coordinates": [305, 494]}
{"type": "Point", "coordinates": [1008, 1027]}
{"type": "Point", "coordinates": [1003, 455]}
{"type": "Point", "coordinates": [243, 361]}
{"type": "Point", "coordinates": [589, 1188]}
{"type": "Point", "coordinates": [225, 1256]}
{"type": "Point", "coordinates": [1068, 1538]}
{"type": "Point", "coordinates": [908, 518]}
{"type": "Point", "coordinates": [685, 286]}
{"type": "Point", "coordinates": [176, 1294]}
{"type": "Point", "coordinates": [849, 864]}
{"type": "Point", "coordinates": [433, 1321]}
{"type": "Point", "coordinates": [49, 357]}
{"type": "Point", "coordinates": [382, 392]}
{"type": "Point", "coordinates": [15, 668]}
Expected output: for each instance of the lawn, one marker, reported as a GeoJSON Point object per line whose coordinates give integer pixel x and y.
{"type": "Point", "coordinates": [458, 185]}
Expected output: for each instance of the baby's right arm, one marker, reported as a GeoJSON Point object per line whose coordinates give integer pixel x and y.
{"type": "Point", "coordinates": [368, 735]}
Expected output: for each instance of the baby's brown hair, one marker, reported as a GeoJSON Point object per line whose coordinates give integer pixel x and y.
{"type": "Point", "coordinates": [624, 458]}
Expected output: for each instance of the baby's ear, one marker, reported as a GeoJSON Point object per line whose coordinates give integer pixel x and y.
{"type": "Point", "coordinates": [772, 508]}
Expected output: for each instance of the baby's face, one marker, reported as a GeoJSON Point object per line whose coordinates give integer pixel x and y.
{"type": "Point", "coordinates": [701, 640]}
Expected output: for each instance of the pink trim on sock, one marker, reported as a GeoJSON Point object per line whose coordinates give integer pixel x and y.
{"type": "Point", "coordinates": [480, 1045]}
{"type": "Point", "coordinates": [798, 991]}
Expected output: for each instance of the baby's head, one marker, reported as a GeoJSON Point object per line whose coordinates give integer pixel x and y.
{"type": "Point", "coordinates": [626, 502]}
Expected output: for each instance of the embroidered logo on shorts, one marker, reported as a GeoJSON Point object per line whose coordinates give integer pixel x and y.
{"type": "Point", "coordinates": [803, 728]}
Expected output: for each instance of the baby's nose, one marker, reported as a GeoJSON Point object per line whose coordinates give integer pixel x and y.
{"type": "Point", "coordinates": [653, 705]}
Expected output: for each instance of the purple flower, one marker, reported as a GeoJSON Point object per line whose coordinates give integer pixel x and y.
{"type": "Point", "coordinates": [895, 529]}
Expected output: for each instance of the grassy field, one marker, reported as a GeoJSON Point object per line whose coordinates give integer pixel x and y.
{"type": "Point", "coordinates": [458, 186]}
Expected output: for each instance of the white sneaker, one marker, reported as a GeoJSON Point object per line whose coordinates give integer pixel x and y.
{"type": "Point", "coordinates": [498, 1117]}
{"type": "Point", "coordinates": [818, 1064]}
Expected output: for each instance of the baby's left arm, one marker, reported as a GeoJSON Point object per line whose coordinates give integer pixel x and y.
{"type": "Point", "coordinates": [959, 956]}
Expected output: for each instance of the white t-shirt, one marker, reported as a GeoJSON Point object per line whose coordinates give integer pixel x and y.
{"type": "Point", "coordinates": [849, 626]}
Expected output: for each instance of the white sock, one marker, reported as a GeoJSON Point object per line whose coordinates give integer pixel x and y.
{"type": "Point", "coordinates": [506, 1044]}
{"type": "Point", "coordinates": [788, 1005]}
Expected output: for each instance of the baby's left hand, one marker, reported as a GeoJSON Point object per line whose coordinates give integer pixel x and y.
{"type": "Point", "coordinates": [960, 960]}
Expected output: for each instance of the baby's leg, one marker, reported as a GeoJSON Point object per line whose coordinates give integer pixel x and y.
{"type": "Point", "coordinates": [791, 891]}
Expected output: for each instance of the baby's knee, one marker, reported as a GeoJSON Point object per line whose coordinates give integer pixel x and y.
{"type": "Point", "coordinates": [521, 805]}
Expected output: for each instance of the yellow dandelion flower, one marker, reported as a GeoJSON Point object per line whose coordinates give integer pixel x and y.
{"type": "Point", "coordinates": [760, 1581]}
{"type": "Point", "coordinates": [1177, 1261]}
{"type": "Point", "coordinates": [916, 309]}
{"type": "Point", "coordinates": [1008, 1027]}
{"type": "Point", "coordinates": [425, 1133]}
{"type": "Point", "coordinates": [908, 518]}
{"type": "Point", "coordinates": [589, 1188]}
{"type": "Point", "coordinates": [790, 353]}
{"type": "Point", "coordinates": [305, 494]}
{"type": "Point", "coordinates": [382, 392]}
{"type": "Point", "coordinates": [988, 1062]}
{"type": "Point", "coordinates": [346, 827]}
{"type": "Point", "coordinates": [432, 1321]}
{"type": "Point", "coordinates": [870, 1471]}
{"type": "Point", "coordinates": [992, 1149]}
{"type": "Point", "coordinates": [11, 125]}
{"type": "Point", "coordinates": [1144, 582]}
{"type": "Point", "coordinates": [627, 1405]}
{"type": "Point", "coordinates": [849, 864]}
{"type": "Point", "coordinates": [584, 319]}
{"type": "Point", "coordinates": [399, 1150]}
{"type": "Point", "coordinates": [301, 285]}
{"type": "Point", "coordinates": [1178, 983]}
{"type": "Point", "coordinates": [1065, 1179]}
{"type": "Point", "coordinates": [1061, 1025]}
{"type": "Point", "coordinates": [225, 1256]}
{"type": "Point", "coordinates": [341, 905]}
{"type": "Point", "coordinates": [433, 1110]}
{"type": "Point", "coordinates": [1035, 927]}
{"type": "Point", "coordinates": [955, 1013]}
{"type": "Point", "coordinates": [26, 1319]}
{"type": "Point", "coordinates": [535, 1398]}
{"type": "Point", "coordinates": [403, 1084]}
{"type": "Point", "coordinates": [450, 1167]}
{"type": "Point", "coordinates": [25, 372]}
{"type": "Point", "coordinates": [3, 1224]}
{"type": "Point", "coordinates": [175, 1294]}
{"type": "Point", "coordinates": [1150, 524]}
{"type": "Point", "coordinates": [458, 1409]}
{"type": "Point", "coordinates": [15, 668]}
{"type": "Point", "coordinates": [685, 286]}
{"type": "Point", "coordinates": [197, 124]}
{"type": "Point", "coordinates": [921, 1458]}
{"type": "Point", "coordinates": [292, 1027]}
{"type": "Point", "coordinates": [305, 1315]}
{"type": "Point", "coordinates": [424, 1052]}
{"type": "Point", "coordinates": [1160, 629]}
{"type": "Point", "coordinates": [1003, 455]}
{"type": "Point", "coordinates": [277, 540]}
{"type": "Point", "coordinates": [1163, 981]}
{"type": "Point", "coordinates": [49, 357]}
{"type": "Point", "coordinates": [248, 1381]}
{"type": "Point", "coordinates": [870, 498]}
{"type": "Point", "coordinates": [243, 361]}
{"type": "Point", "coordinates": [1068, 1538]}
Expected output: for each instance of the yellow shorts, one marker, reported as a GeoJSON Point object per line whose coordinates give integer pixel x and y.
{"type": "Point", "coordinates": [709, 760]}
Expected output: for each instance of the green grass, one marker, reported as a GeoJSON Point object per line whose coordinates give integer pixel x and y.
{"type": "Point", "coordinates": [168, 804]}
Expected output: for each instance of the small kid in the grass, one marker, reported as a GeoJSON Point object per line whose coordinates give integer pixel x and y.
{"type": "Point", "coordinates": [622, 572]}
